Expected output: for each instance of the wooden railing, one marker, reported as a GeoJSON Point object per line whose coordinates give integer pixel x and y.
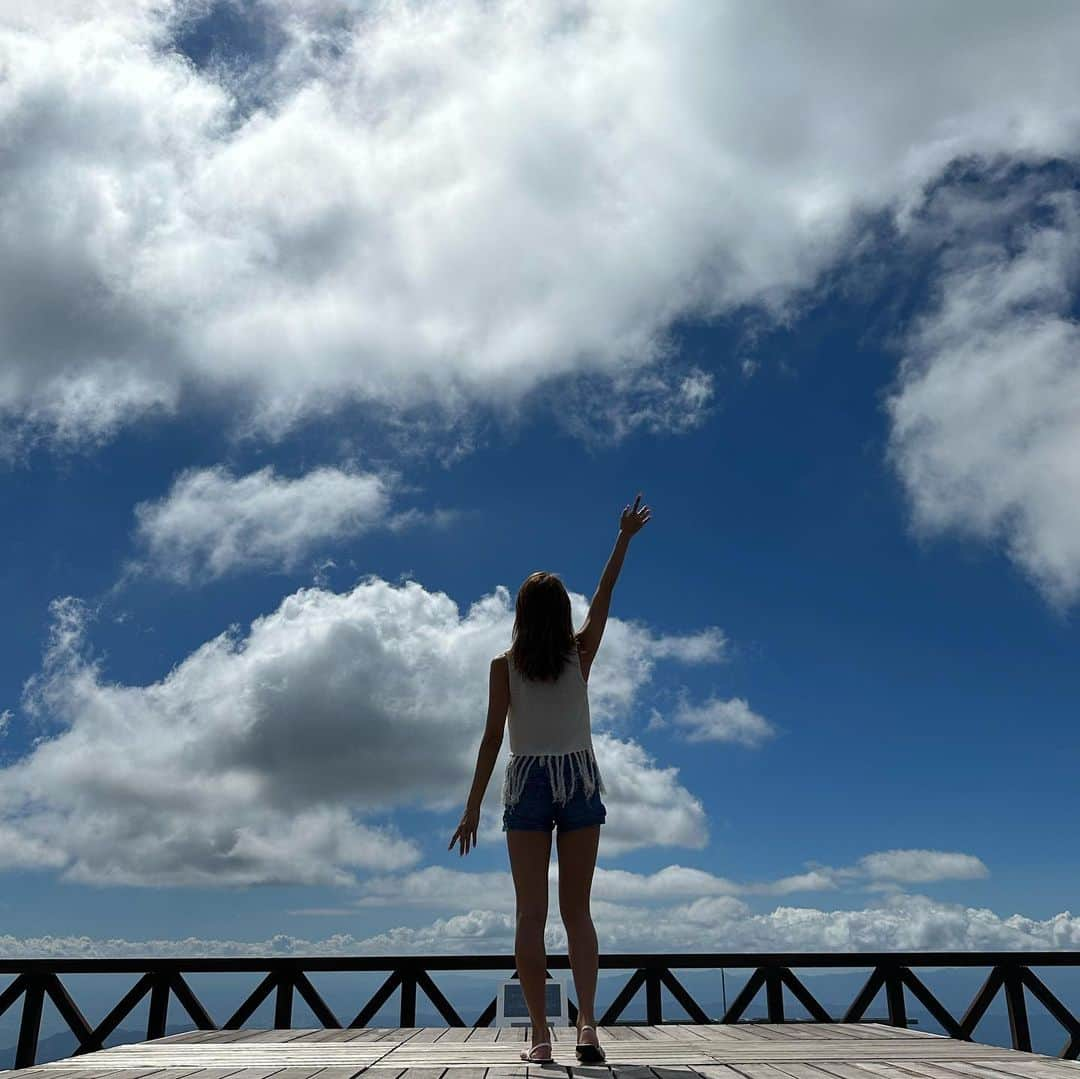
{"type": "Point", "coordinates": [1009, 973]}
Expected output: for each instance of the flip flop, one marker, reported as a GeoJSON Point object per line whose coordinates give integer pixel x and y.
{"type": "Point", "coordinates": [588, 1053]}
{"type": "Point", "coordinates": [537, 1060]}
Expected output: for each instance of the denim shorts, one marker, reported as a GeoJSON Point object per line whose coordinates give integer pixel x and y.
{"type": "Point", "coordinates": [537, 811]}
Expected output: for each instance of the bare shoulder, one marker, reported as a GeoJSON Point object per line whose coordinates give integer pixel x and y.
{"type": "Point", "coordinates": [500, 672]}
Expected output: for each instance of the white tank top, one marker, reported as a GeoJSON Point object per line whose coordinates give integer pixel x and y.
{"type": "Point", "coordinates": [550, 724]}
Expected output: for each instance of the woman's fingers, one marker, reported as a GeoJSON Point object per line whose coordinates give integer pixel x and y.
{"type": "Point", "coordinates": [465, 840]}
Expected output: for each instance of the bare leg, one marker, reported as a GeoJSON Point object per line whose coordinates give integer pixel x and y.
{"type": "Point", "coordinates": [530, 855]}
{"type": "Point", "coordinates": [577, 860]}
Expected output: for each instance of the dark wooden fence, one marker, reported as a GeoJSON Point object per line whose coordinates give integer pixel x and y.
{"type": "Point", "coordinates": [1009, 973]}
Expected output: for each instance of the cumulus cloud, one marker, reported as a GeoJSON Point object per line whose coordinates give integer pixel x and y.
{"type": "Point", "coordinates": [264, 757]}
{"type": "Point", "coordinates": [211, 522]}
{"type": "Point", "coordinates": [920, 866]}
{"type": "Point", "coordinates": [716, 720]}
{"type": "Point", "coordinates": [722, 924]}
{"type": "Point", "coordinates": [985, 414]}
{"type": "Point", "coordinates": [430, 885]}
{"type": "Point", "coordinates": [447, 205]}
{"type": "Point", "coordinates": [725, 923]}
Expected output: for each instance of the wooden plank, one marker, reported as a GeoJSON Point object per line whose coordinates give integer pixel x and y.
{"type": "Point", "coordinates": [458, 1034]}
{"type": "Point", "coordinates": [963, 1069]}
{"type": "Point", "coordinates": [887, 1030]}
{"type": "Point", "coordinates": [162, 1073]}
{"type": "Point", "coordinates": [183, 1036]}
{"type": "Point", "coordinates": [315, 1055]}
{"type": "Point", "coordinates": [832, 1069]}
{"type": "Point", "coordinates": [236, 1051]}
{"type": "Point", "coordinates": [107, 1073]}
{"type": "Point", "coordinates": [760, 1071]}
{"type": "Point", "coordinates": [827, 1031]}
{"type": "Point", "coordinates": [220, 1035]}
{"type": "Point", "coordinates": [635, 1051]}
{"type": "Point", "coordinates": [485, 1035]}
{"type": "Point", "coordinates": [643, 1051]}
{"type": "Point", "coordinates": [788, 1049]}
{"type": "Point", "coordinates": [380, 1034]}
{"type": "Point", "coordinates": [796, 1070]}
{"type": "Point", "coordinates": [816, 1031]}
{"type": "Point", "coordinates": [921, 1069]}
{"type": "Point", "coordinates": [224, 1073]}
{"type": "Point", "coordinates": [807, 1031]}
{"type": "Point", "coordinates": [769, 1032]}
{"type": "Point", "coordinates": [752, 1032]}
{"type": "Point", "coordinates": [305, 1072]}
{"type": "Point", "coordinates": [727, 1071]}
{"type": "Point", "coordinates": [718, 1071]}
{"type": "Point", "coordinates": [509, 1071]}
{"type": "Point", "coordinates": [1022, 1065]}
{"type": "Point", "coordinates": [728, 1032]}
{"type": "Point", "coordinates": [50, 1070]}
{"type": "Point", "coordinates": [631, 1071]}
{"type": "Point", "coordinates": [684, 1032]}
{"type": "Point", "coordinates": [866, 1030]}
{"type": "Point", "coordinates": [286, 1034]}
{"type": "Point", "coordinates": [338, 1034]}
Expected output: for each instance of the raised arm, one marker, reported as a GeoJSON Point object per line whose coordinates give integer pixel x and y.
{"type": "Point", "coordinates": [631, 522]}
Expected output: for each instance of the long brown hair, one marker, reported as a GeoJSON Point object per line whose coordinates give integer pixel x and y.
{"type": "Point", "coordinates": [543, 627]}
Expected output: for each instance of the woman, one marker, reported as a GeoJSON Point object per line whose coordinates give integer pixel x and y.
{"type": "Point", "coordinates": [551, 778]}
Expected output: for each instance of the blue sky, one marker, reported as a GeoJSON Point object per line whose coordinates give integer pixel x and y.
{"type": "Point", "coordinates": [271, 483]}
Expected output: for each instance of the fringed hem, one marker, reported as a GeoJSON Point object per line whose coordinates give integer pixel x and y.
{"type": "Point", "coordinates": [517, 771]}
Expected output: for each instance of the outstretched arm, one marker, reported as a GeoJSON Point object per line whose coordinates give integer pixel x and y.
{"type": "Point", "coordinates": [631, 522]}
{"type": "Point", "coordinates": [490, 746]}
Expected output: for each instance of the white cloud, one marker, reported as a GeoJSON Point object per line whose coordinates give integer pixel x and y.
{"type": "Point", "coordinates": [716, 720]}
{"type": "Point", "coordinates": [708, 646]}
{"type": "Point", "coordinates": [261, 757]}
{"type": "Point", "coordinates": [456, 204]}
{"type": "Point", "coordinates": [985, 414]}
{"type": "Point", "coordinates": [920, 866]}
{"type": "Point", "coordinates": [211, 523]}
{"type": "Point", "coordinates": [720, 923]}
{"type": "Point", "coordinates": [429, 886]}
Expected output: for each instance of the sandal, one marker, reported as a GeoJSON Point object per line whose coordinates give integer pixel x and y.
{"type": "Point", "coordinates": [538, 1060]}
{"type": "Point", "coordinates": [588, 1053]}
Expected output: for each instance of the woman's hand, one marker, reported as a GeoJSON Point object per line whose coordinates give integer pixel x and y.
{"type": "Point", "coordinates": [633, 519]}
{"type": "Point", "coordinates": [470, 821]}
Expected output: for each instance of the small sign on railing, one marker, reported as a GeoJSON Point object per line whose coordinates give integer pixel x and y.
{"type": "Point", "coordinates": [512, 1011]}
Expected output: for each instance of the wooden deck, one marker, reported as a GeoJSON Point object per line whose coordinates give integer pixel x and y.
{"type": "Point", "coordinates": [676, 1051]}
